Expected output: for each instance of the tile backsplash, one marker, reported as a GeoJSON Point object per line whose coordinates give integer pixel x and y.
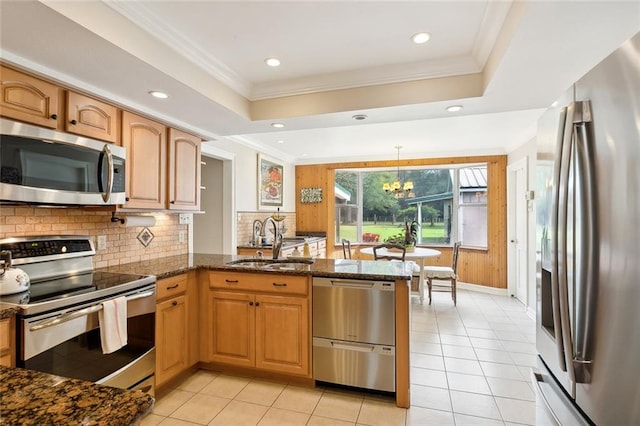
{"type": "Point", "coordinates": [122, 242]}
{"type": "Point", "coordinates": [245, 224]}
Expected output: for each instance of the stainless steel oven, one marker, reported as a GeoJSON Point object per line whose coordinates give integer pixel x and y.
{"type": "Point", "coordinates": [44, 166]}
{"type": "Point", "coordinates": [58, 329]}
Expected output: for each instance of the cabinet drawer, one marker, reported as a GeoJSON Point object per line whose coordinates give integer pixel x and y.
{"type": "Point", "coordinates": [169, 287]}
{"type": "Point", "coordinates": [269, 283]}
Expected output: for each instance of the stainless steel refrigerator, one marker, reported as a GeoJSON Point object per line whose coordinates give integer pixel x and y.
{"type": "Point", "coordinates": [588, 236]}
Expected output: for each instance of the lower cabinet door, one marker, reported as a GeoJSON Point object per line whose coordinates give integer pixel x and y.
{"type": "Point", "coordinates": [282, 334]}
{"type": "Point", "coordinates": [171, 338]}
{"type": "Point", "coordinates": [232, 318]}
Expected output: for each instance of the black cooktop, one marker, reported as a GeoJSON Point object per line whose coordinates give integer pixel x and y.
{"type": "Point", "coordinates": [67, 287]}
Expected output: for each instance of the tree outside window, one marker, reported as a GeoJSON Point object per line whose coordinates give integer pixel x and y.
{"type": "Point", "coordinates": [442, 202]}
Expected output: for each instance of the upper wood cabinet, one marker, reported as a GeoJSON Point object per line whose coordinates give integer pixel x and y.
{"type": "Point", "coordinates": [92, 118]}
{"type": "Point", "coordinates": [184, 171]}
{"type": "Point", "coordinates": [146, 144]}
{"type": "Point", "coordinates": [29, 99]}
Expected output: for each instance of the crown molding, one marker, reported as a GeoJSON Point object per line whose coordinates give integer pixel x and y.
{"type": "Point", "coordinates": [143, 17]}
{"type": "Point", "coordinates": [490, 28]}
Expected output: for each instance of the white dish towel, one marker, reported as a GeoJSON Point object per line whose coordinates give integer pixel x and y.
{"type": "Point", "coordinates": [113, 324]}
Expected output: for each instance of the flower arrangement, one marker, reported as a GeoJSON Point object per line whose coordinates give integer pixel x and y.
{"type": "Point", "coordinates": [406, 238]}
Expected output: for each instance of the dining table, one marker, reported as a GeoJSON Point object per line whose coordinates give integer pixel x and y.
{"type": "Point", "coordinates": [418, 254]}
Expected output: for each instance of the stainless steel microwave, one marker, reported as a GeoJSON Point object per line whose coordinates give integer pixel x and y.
{"type": "Point", "coordinates": [43, 166]}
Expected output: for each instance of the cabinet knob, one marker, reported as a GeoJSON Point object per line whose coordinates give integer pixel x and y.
{"type": "Point", "coordinates": [174, 303]}
{"type": "Point", "coordinates": [257, 303]}
{"type": "Point", "coordinates": [54, 116]}
{"type": "Point", "coordinates": [250, 303]}
{"type": "Point", "coordinates": [126, 198]}
{"type": "Point", "coordinates": [74, 122]}
{"type": "Point", "coordinates": [172, 202]}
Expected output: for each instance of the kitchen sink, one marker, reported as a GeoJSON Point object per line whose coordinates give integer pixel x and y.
{"type": "Point", "coordinates": [272, 264]}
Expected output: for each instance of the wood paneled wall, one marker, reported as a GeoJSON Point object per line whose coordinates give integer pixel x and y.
{"type": "Point", "coordinates": [484, 267]}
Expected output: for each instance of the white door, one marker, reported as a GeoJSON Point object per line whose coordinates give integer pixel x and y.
{"type": "Point", "coordinates": [518, 221]}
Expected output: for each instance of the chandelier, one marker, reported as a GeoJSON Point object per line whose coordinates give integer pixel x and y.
{"type": "Point", "coordinates": [397, 188]}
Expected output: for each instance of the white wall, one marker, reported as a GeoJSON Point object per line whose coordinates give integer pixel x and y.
{"type": "Point", "coordinates": [230, 178]}
{"type": "Point", "coordinates": [528, 151]}
{"type": "Point", "coordinates": [208, 236]}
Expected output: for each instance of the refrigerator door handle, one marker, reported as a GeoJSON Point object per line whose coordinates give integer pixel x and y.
{"type": "Point", "coordinates": [587, 250]}
{"type": "Point", "coordinates": [562, 241]}
{"type": "Point", "coordinates": [555, 246]}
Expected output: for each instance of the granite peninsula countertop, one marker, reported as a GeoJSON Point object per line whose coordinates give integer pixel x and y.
{"type": "Point", "coordinates": [333, 268]}
{"type": "Point", "coordinates": [34, 398]}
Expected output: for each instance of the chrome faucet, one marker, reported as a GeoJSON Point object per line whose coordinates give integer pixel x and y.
{"type": "Point", "coordinates": [257, 232]}
{"type": "Point", "coordinates": [277, 238]}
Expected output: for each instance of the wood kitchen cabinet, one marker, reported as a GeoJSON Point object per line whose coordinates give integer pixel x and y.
{"type": "Point", "coordinates": [90, 117]}
{"type": "Point", "coordinates": [176, 337]}
{"type": "Point", "coordinates": [258, 321]}
{"type": "Point", "coordinates": [7, 342]}
{"type": "Point", "coordinates": [146, 169]}
{"type": "Point", "coordinates": [162, 173]}
{"type": "Point", "coordinates": [29, 99]}
{"type": "Point", "coordinates": [184, 171]}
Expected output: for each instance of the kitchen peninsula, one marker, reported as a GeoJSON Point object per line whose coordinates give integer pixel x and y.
{"type": "Point", "coordinates": [208, 277]}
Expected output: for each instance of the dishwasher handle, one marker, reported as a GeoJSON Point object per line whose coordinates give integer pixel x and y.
{"type": "Point", "coordinates": [354, 284]}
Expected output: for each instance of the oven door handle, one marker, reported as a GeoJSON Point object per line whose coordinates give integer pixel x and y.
{"type": "Point", "coordinates": [84, 312]}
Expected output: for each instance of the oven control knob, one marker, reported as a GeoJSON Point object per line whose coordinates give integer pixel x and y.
{"type": "Point", "coordinates": [63, 249]}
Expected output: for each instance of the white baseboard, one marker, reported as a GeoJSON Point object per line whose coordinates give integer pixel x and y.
{"type": "Point", "coordinates": [483, 289]}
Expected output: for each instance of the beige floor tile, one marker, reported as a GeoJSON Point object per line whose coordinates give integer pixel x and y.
{"type": "Point", "coordinates": [176, 422]}
{"type": "Point", "coordinates": [200, 409]}
{"type": "Point", "coordinates": [171, 402]}
{"type": "Point", "coordinates": [418, 416]}
{"type": "Point", "coordinates": [151, 420]}
{"type": "Point", "coordinates": [464, 420]}
{"type": "Point", "coordinates": [511, 389]}
{"type": "Point", "coordinates": [524, 360]}
{"type": "Point", "coordinates": [430, 397]}
{"type": "Point", "coordinates": [418, 336]}
{"type": "Point", "coordinates": [261, 392]}
{"type": "Point", "coordinates": [474, 404]}
{"type": "Point", "coordinates": [226, 386]}
{"type": "Point", "coordinates": [503, 371]}
{"type": "Point", "coordinates": [447, 339]}
{"type": "Point", "coordinates": [339, 406]}
{"type": "Point", "coordinates": [197, 381]}
{"type": "Point", "coordinates": [375, 412]}
{"type": "Point", "coordinates": [325, 421]}
{"type": "Point", "coordinates": [303, 400]}
{"type": "Point", "coordinates": [427, 348]}
{"type": "Point", "coordinates": [426, 377]}
{"type": "Point", "coordinates": [493, 356]}
{"type": "Point", "coordinates": [517, 411]}
{"type": "Point", "coordinates": [482, 343]}
{"type": "Point", "coordinates": [278, 417]}
{"type": "Point", "coordinates": [432, 362]}
{"type": "Point", "coordinates": [465, 352]}
{"type": "Point", "coordinates": [466, 366]}
{"type": "Point", "coordinates": [238, 413]}
{"type": "Point", "coordinates": [468, 383]}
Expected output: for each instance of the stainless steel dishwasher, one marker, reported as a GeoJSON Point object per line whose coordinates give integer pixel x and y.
{"type": "Point", "coordinates": [354, 333]}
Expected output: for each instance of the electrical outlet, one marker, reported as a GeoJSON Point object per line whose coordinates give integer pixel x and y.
{"type": "Point", "coordinates": [185, 218]}
{"type": "Point", "coordinates": [102, 242]}
{"type": "Point", "coordinates": [181, 237]}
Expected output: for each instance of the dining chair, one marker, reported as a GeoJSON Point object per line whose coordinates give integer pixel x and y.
{"type": "Point", "coordinates": [401, 251]}
{"type": "Point", "coordinates": [346, 248]}
{"type": "Point", "coordinates": [445, 273]}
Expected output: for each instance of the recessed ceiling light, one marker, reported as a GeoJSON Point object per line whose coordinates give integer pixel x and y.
{"type": "Point", "coordinates": [280, 141]}
{"type": "Point", "coordinates": [272, 62]}
{"type": "Point", "coordinates": [420, 38]}
{"type": "Point", "coordinates": [454, 108]}
{"type": "Point", "coordinates": [359, 117]}
{"type": "Point", "coordinates": [277, 125]}
{"type": "Point", "coordinates": [159, 95]}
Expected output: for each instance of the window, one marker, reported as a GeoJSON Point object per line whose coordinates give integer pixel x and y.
{"type": "Point", "coordinates": [450, 204]}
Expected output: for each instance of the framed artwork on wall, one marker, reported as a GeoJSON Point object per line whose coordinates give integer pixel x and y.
{"type": "Point", "coordinates": [270, 182]}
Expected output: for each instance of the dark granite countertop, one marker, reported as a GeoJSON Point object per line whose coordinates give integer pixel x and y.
{"type": "Point", "coordinates": [34, 398]}
{"type": "Point", "coordinates": [332, 268]}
